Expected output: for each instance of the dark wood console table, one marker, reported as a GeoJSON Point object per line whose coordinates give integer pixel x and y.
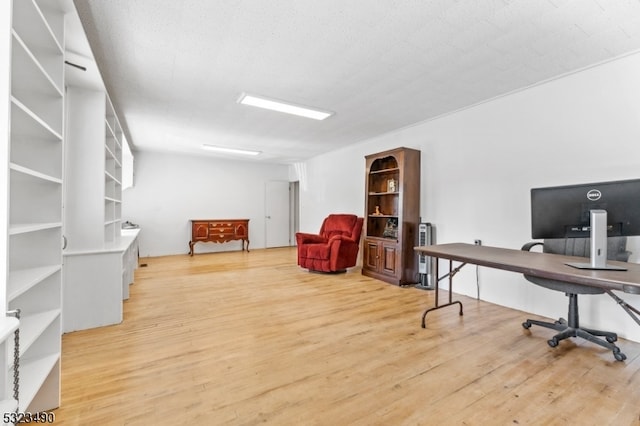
{"type": "Point", "coordinates": [542, 265]}
{"type": "Point", "coordinates": [219, 231]}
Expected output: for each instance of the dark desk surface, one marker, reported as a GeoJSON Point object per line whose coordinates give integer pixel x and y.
{"type": "Point", "coordinates": [538, 264]}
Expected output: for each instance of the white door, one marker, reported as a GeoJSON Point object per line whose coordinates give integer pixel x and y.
{"type": "Point", "coordinates": [277, 216]}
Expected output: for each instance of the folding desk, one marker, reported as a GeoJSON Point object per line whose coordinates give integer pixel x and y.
{"type": "Point", "coordinates": [542, 265]}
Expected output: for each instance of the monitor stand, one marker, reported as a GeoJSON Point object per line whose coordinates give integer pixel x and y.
{"type": "Point", "coordinates": [598, 244]}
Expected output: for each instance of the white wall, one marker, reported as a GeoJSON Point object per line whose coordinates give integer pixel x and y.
{"type": "Point", "coordinates": [479, 164]}
{"type": "Point", "coordinates": [170, 189]}
{"type": "Point", "coordinates": [330, 184]}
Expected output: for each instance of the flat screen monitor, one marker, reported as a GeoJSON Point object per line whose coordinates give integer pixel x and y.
{"type": "Point", "coordinates": [613, 208]}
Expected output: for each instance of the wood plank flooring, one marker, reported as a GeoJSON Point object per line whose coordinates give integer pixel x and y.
{"type": "Point", "coordinates": [243, 338]}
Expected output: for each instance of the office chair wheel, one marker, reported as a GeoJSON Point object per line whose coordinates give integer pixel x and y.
{"type": "Point", "coordinates": [552, 342]}
{"type": "Point", "coordinates": [619, 356]}
{"type": "Point", "coordinates": [526, 325]}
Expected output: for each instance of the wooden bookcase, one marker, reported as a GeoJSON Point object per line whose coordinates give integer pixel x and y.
{"type": "Point", "coordinates": [392, 208]}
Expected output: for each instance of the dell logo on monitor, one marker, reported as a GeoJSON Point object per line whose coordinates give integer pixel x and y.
{"type": "Point", "coordinates": [594, 195]}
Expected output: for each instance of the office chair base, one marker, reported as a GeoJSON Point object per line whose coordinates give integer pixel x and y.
{"type": "Point", "coordinates": [567, 331]}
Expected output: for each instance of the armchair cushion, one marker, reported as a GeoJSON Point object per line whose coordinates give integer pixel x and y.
{"type": "Point", "coordinates": [334, 248]}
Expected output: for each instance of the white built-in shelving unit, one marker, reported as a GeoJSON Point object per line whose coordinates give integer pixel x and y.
{"type": "Point", "coordinates": [35, 182]}
{"type": "Point", "coordinates": [62, 164]}
{"type": "Point", "coordinates": [113, 174]}
{"type": "Point", "coordinates": [98, 266]}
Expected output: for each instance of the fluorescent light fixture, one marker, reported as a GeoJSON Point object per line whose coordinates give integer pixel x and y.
{"type": "Point", "coordinates": [229, 150]}
{"type": "Point", "coordinates": [274, 105]}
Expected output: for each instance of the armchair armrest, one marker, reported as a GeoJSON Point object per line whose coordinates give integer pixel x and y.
{"type": "Point", "coordinates": [338, 243]}
{"type": "Point", "coordinates": [532, 244]}
{"type": "Point", "coordinates": [304, 238]}
{"type": "Point", "coordinates": [341, 238]}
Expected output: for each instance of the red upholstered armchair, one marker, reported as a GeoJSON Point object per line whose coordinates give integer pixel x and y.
{"type": "Point", "coordinates": [335, 248]}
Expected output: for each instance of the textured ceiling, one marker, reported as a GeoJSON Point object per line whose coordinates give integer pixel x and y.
{"type": "Point", "coordinates": [175, 68]}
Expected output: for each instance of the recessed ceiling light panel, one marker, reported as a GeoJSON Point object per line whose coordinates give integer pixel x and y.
{"type": "Point", "coordinates": [229, 150]}
{"type": "Point", "coordinates": [275, 105]}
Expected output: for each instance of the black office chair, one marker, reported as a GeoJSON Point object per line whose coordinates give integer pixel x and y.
{"type": "Point", "coordinates": [616, 250]}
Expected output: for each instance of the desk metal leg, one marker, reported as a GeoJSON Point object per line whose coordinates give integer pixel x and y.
{"type": "Point", "coordinates": [628, 308]}
{"type": "Point", "coordinates": [451, 273]}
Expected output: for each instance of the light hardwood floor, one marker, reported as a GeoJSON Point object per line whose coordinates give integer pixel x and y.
{"type": "Point", "coordinates": [249, 338]}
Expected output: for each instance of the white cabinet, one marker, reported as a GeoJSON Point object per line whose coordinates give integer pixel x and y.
{"type": "Point", "coordinates": [35, 184]}
{"type": "Point", "coordinates": [129, 259]}
{"type": "Point", "coordinates": [96, 282]}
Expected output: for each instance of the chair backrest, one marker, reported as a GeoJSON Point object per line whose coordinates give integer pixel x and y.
{"type": "Point", "coordinates": [616, 247]}
{"type": "Point", "coordinates": [616, 250]}
{"type": "Point", "coordinates": [348, 225]}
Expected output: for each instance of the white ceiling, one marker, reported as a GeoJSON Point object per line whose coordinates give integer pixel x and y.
{"type": "Point", "coordinates": [175, 68]}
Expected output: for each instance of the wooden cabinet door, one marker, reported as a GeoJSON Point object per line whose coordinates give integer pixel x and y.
{"type": "Point", "coordinates": [241, 230]}
{"type": "Point", "coordinates": [371, 255]}
{"type": "Point", "coordinates": [381, 257]}
{"type": "Point", "coordinates": [200, 231]}
{"type": "Point", "coordinates": [388, 259]}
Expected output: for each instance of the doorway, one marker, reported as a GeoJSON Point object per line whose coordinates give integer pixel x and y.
{"type": "Point", "coordinates": [281, 213]}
